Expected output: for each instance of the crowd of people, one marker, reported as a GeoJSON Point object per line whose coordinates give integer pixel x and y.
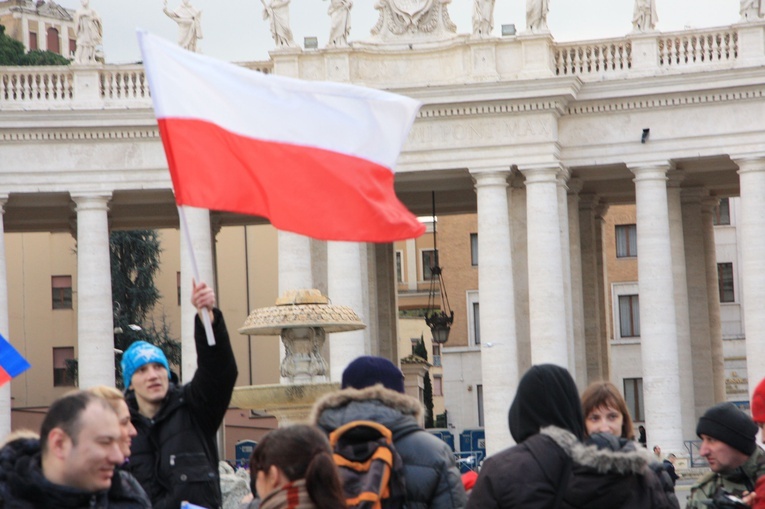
{"type": "Point", "coordinates": [155, 446]}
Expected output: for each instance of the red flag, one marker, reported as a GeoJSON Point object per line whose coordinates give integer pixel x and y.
{"type": "Point", "coordinates": [315, 158]}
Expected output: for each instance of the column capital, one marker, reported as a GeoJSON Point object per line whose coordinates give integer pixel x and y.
{"type": "Point", "coordinates": [693, 194]}
{"type": "Point", "coordinates": [749, 164]}
{"type": "Point", "coordinates": [709, 204]}
{"type": "Point", "coordinates": [675, 177]}
{"type": "Point", "coordinates": [651, 171]}
{"type": "Point", "coordinates": [87, 200]}
{"type": "Point", "coordinates": [543, 173]}
{"type": "Point", "coordinates": [588, 201]}
{"type": "Point", "coordinates": [575, 185]}
{"type": "Point", "coordinates": [491, 177]}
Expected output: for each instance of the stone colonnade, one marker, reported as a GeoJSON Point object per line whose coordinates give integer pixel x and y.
{"type": "Point", "coordinates": [680, 317]}
{"type": "Point", "coordinates": [681, 341]}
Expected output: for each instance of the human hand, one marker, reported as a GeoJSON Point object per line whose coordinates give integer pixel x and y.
{"type": "Point", "coordinates": [202, 297]}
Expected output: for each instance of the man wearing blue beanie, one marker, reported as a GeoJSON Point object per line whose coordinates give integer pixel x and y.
{"type": "Point", "coordinates": [373, 390]}
{"type": "Point", "coordinates": [175, 455]}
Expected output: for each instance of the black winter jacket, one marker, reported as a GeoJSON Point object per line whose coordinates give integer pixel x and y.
{"type": "Point", "coordinates": [530, 475]}
{"type": "Point", "coordinates": [432, 478]}
{"type": "Point", "coordinates": [23, 486]}
{"type": "Point", "coordinates": [174, 456]}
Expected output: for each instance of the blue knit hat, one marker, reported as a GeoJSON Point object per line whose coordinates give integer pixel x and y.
{"type": "Point", "coordinates": [367, 370]}
{"type": "Point", "coordinates": [140, 353]}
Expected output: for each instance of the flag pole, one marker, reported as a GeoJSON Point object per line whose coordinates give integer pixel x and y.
{"type": "Point", "coordinates": [195, 271]}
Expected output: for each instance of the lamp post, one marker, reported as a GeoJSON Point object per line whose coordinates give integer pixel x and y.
{"type": "Point", "coordinates": [440, 319]}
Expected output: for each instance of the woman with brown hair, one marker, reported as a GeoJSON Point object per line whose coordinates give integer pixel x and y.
{"type": "Point", "coordinates": [292, 468]}
{"type": "Point", "coordinates": [605, 411]}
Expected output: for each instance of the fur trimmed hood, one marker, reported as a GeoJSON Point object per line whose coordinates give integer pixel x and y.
{"type": "Point", "coordinates": [628, 460]}
{"type": "Point", "coordinates": [399, 412]}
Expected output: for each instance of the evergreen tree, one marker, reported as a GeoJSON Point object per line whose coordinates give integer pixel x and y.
{"type": "Point", "coordinates": [420, 350]}
{"type": "Point", "coordinates": [134, 264]}
{"type": "Point", "coordinates": [428, 397]}
{"type": "Point", "coordinates": [12, 53]}
{"type": "Point", "coordinates": [39, 57]}
{"type": "Point", "coordinates": [11, 50]}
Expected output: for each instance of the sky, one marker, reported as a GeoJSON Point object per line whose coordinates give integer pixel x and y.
{"type": "Point", "coordinates": [234, 30]}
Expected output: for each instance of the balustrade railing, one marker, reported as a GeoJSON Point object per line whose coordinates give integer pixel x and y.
{"type": "Point", "coordinates": [596, 57]}
{"type": "Point", "coordinates": [124, 82]}
{"type": "Point", "coordinates": [125, 86]}
{"type": "Point", "coordinates": [698, 47]}
{"type": "Point", "coordinates": [35, 84]}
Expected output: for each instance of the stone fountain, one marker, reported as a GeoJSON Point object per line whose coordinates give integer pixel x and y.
{"type": "Point", "coordinates": [302, 318]}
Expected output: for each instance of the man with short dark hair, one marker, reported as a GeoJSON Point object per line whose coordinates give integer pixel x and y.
{"type": "Point", "coordinates": [175, 455]}
{"type": "Point", "coordinates": [728, 444]}
{"type": "Point", "coordinates": [73, 463]}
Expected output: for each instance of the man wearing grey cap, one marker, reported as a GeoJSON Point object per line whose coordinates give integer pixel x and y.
{"type": "Point", "coordinates": [728, 443]}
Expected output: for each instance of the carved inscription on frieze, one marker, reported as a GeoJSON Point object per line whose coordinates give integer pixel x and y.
{"type": "Point", "coordinates": [479, 132]}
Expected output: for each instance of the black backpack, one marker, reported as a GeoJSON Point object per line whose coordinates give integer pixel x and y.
{"type": "Point", "coordinates": [371, 471]}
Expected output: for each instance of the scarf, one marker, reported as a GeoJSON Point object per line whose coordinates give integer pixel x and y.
{"type": "Point", "coordinates": [293, 495]}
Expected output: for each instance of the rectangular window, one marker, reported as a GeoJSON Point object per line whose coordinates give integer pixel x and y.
{"type": "Point", "coordinates": [476, 324]}
{"type": "Point", "coordinates": [399, 267]}
{"type": "Point", "coordinates": [72, 47]}
{"type": "Point", "coordinates": [633, 395]}
{"type": "Point", "coordinates": [725, 282]}
{"type": "Point", "coordinates": [61, 290]}
{"type": "Point", "coordinates": [438, 385]}
{"type": "Point", "coordinates": [32, 41]}
{"type": "Point", "coordinates": [722, 212]}
{"type": "Point", "coordinates": [436, 355]}
{"type": "Point", "coordinates": [626, 240]}
{"type": "Point", "coordinates": [428, 262]}
{"type": "Point", "coordinates": [629, 316]}
{"type": "Point", "coordinates": [474, 249]}
{"type": "Point", "coordinates": [61, 377]}
{"type": "Point", "coordinates": [178, 286]}
{"type": "Point", "coordinates": [479, 395]}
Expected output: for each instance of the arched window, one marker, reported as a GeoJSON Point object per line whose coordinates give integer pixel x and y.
{"type": "Point", "coordinates": [53, 40]}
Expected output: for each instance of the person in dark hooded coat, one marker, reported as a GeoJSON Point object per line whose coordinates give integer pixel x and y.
{"type": "Point", "coordinates": [551, 468]}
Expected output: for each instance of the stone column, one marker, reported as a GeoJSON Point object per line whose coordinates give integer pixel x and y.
{"type": "Point", "coordinates": [294, 262]}
{"type": "Point", "coordinates": [200, 233]}
{"type": "Point", "coordinates": [591, 288]}
{"type": "Point", "coordinates": [5, 390]}
{"type": "Point", "coordinates": [95, 318]}
{"type": "Point", "coordinates": [698, 305]}
{"type": "Point", "coordinates": [547, 304]}
{"type": "Point", "coordinates": [499, 350]}
{"type": "Point", "coordinates": [658, 321]}
{"type": "Point", "coordinates": [604, 293]}
{"type": "Point", "coordinates": [344, 288]}
{"type": "Point", "coordinates": [577, 304]}
{"type": "Point", "coordinates": [752, 174]}
{"type": "Point", "coordinates": [713, 299]}
{"type": "Point", "coordinates": [680, 278]}
{"type": "Point", "coordinates": [565, 250]}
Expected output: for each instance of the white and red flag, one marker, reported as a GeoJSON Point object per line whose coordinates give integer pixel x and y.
{"type": "Point", "coordinates": [315, 158]}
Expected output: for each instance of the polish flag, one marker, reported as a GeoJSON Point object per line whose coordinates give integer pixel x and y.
{"type": "Point", "coordinates": [315, 158]}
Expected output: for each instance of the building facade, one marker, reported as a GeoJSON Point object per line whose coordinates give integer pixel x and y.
{"type": "Point", "coordinates": [536, 138]}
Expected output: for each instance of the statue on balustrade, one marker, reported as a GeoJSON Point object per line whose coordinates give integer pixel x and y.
{"type": "Point", "coordinates": [278, 12]}
{"type": "Point", "coordinates": [483, 17]}
{"type": "Point", "coordinates": [412, 21]}
{"type": "Point", "coordinates": [189, 21]}
{"type": "Point", "coordinates": [90, 34]}
{"type": "Point", "coordinates": [752, 9]}
{"type": "Point", "coordinates": [536, 15]}
{"type": "Point", "coordinates": [340, 22]}
{"type": "Point", "coordinates": [644, 16]}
